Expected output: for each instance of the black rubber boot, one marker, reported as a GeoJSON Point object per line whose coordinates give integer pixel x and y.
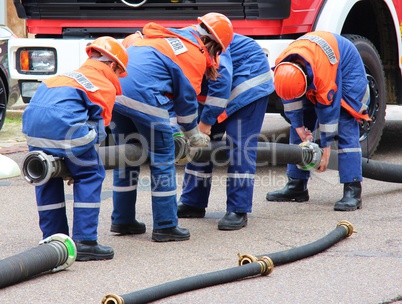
{"type": "Point", "coordinates": [233, 221]}
{"type": "Point", "coordinates": [185, 211]}
{"type": "Point", "coordinates": [92, 251]}
{"type": "Point", "coordinates": [170, 234]}
{"type": "Point", "coordinates": [351, 199]}
{"type": "Point", "coordinates": [135, 227]}
{"type": "Point", "coordinates": [295, 190]}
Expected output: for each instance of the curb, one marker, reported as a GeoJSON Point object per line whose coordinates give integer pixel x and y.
{"type": "Point", "coordinates": [14, 114]}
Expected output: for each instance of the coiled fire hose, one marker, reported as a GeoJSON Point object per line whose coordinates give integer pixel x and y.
{"type": "Point", "coordinates": [248, 266]}
{"type": "Point", "coordinates": [54, 253]}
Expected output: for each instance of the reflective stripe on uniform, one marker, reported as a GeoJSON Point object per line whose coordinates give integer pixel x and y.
{"type": "Point", "coordinates": [124, 189]}
{"type": "Point", "coordinates": [187, 118]}
{"type": "Point", "coordinates": [329, 128]}
{"type": "Point", "coordinates": [293, 106]}
{"type": "Point", "coordinates": [248, 84]}
{"type": "Point", "coordinates": [216, 102]}
{"type": "Point", "coordinates": [64, 144]}
{"type": "Point", "coordinates": [142, 107]}
{"type": "Point", "coordinates": [365, 100]}
{"type": "Point", "coordinates": [349, 150]}
{"type": "Point", "coordinates": [198, 174]}
{"type": "Point", "coordinates": [86, 205]}
{"type": "Point", "coordinates": [52, 207]}
{"type": "Point", "coordinates": [241, 175]}
{"type": "Point", "coordinates": [163, 193]}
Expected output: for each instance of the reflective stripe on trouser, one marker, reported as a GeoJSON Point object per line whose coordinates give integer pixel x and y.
{"type": "Point", "coordinates": [163, 174]}
{"type": "Point", "coordinates": [349, 150]}
{"type": "Point", "coordinates": [242, 127]}
{"type": "Point", "coordinates": [124, 179]}
{"type": "Point", "coordinates": [52, 207]}
{"type": "Point", "coordinates": [87, 195]}
{"type": "Point", "coordinates": [124, 195]}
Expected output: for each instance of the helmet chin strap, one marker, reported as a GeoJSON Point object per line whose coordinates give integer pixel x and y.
{"type": "Point", "coordinates": [203, 49]}
{"type": "Point", "coordinates": [203, 32]}
{"type": "Point", "coordinates": [102, 58]}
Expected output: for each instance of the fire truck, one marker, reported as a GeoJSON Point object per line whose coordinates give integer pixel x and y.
{"type": "Point", "coordinates": [58, 32]}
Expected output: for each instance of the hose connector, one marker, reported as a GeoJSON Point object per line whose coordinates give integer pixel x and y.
{"type": "Point", "coordinates": [267, 265]}
{"type": "Point", "coordinates": [112, 299]}
{"type": "Point", "coordinates": [69, 245]}
{"type": "Point", "coordinates": [246, 259]}
{"type": "Point", "coordinates": [312, 154]}
{"type": "Point", "coordinates": [348, 226]}
{"type": "Point", "coordinates": [38, 167]}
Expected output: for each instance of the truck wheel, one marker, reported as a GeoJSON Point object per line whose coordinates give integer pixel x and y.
{"type": "Point", "coordinates": [3, 103]}
{"type": "Point", "coordinates": [371, 131]}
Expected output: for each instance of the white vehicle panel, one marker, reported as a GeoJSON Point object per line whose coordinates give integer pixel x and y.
{"type": "Point", "coordinates": [70, 55]}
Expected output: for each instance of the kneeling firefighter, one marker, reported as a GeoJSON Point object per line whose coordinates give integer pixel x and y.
{"type": "Point", "coordinates": [322, 82]}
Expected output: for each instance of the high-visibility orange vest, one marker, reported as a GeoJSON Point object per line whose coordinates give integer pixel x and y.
{"type": "Point", "coordinates": [193, 62]}
{"type": "Point", "coordinates": [99, 82]}
{"type": "Point", "coordinates": [320, 50]}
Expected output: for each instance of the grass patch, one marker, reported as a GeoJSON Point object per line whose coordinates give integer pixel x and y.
{"type": "Point", "coordinates": [13, 120]}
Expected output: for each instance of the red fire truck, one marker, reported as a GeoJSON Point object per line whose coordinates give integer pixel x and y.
{"type": "Point", "coordinates": [59, 30]}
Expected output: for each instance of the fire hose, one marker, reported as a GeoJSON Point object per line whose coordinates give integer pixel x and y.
{"type": "Point", "coordinates": [54, 253]}
{"type": "Point", "coordinates": [248, 266]}
{"type": "Point", "coordinates": [38, 167]}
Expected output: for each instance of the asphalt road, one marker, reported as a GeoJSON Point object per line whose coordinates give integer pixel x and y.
{"type": "Point", "coordinates": [363, 268]}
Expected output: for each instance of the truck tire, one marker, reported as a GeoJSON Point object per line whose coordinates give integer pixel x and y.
{"type": "Point", "coordinates": [3, 102]}
{"type": "Point", "coordinates": [371, 131]}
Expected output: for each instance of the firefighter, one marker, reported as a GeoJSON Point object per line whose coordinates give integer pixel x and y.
{"type": "Point", "coordinates": [165, 70]}
{"type": "Point", "coordinates": [322, 82]}
{"type": "Point", "coordinates": [66, 118]}
{"type": "Point", "coordinates": [236, 104]}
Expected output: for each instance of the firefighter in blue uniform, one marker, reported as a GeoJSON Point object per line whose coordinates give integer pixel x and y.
{"type": "Point", "coordinates": [165, 69]}
{"type": "Point", "coordinates": [66, 118]}
{"type": "Point", "coordinates": [236, 104]}
{"type": "Point", "coordinates": [322, 82]}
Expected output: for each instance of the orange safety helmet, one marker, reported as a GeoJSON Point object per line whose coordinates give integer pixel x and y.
{"type": "Point", "coordinates": [220, 28]}
{"type": "Point", "coordinates": [111, 48]}
{"type": "Point", "coordinates": [130, 39]}
{"type": "Point", "coordinates": [290, 80]}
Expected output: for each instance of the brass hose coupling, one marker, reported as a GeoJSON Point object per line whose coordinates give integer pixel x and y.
{"type": "Point", "coordinates": [267, 265]}
{"type": "Point", "coordinates": [348, 226]}
{"type": "Point", "coordinates": [112, 299]}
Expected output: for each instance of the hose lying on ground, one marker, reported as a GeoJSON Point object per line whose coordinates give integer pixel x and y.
{"type": "Point", "coordinates": [343, 230]}
{"type": "Point", "coordinates": [248, 266]}
{"type": "Point", "coordinates": [54, 253]}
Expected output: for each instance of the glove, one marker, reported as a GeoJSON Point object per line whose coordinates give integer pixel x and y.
{"type": "Point", "coordinates": [196, 138]}
{"type": "Point", "coordinates": [199, 140]}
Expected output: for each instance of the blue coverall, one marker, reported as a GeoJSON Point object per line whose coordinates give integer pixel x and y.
{"type": "Point", "coordinates": [66, 118]}
{"type": "Point", "coordinates": [236, 104]}
{"type": "Point", "coordinates": [334, 122]}
{"type": "Point", "coordinates": [158, 90]}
